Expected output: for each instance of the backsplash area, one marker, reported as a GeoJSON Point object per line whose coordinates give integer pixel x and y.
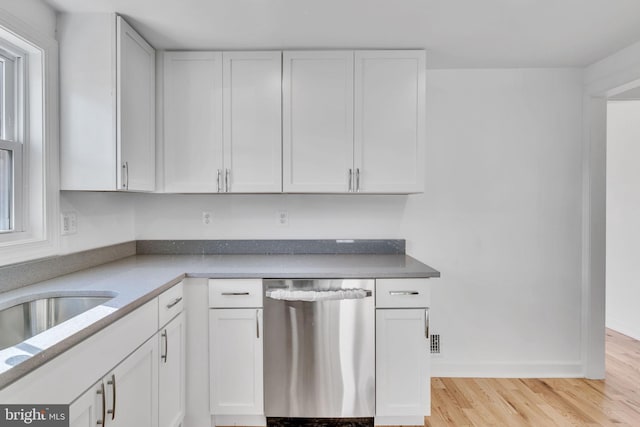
{"type": "Point", "coordinates": [27, 273]}
{"type": "Point", "coordinates": [245, 247]}
{"type": "Point", "coordinates": [23, 274]}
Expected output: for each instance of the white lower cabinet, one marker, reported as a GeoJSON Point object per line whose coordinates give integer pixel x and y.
{"type": "Point", "coordinates": [86, 411]}
{"type": "Point", "coordinates": [235, 337]}
{"type": "Point", "coordinates": [127, 396]}
{"type": "Point", "coordinates": [235, 352]}
{"type": "Point", "coordinates": [132, 389]}
{"type": "Point", "coordinates": [402, 363]}
{"type": "Point", "coordinates": [171, 373]}
{"type": "Point", "coordinates": [403, 371]}
{"type": "Point", "coordinates": [147, 387]}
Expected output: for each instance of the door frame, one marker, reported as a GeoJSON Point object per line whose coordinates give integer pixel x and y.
{"type": "Point", "coordinates": [594, 157]}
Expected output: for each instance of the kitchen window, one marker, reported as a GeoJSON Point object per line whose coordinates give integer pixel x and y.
{"type": "Point", "coordinates": [29, 196]}
{"type": "Point", "coordinates": [11, 140]}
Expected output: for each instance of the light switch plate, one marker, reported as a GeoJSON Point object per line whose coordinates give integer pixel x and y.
{"type": "Point", "coordinates": [69, 223]}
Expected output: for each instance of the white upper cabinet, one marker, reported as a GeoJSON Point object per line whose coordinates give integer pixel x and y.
{"type": "Point", "coordinates": [136, 109]}
{"type": "Point", "coordinates": [252, 128]}
{"type": "Point", "coordinates": [222, 122]}
{"type": "Point", "coordinates": [193, 159]}
{"type": "Point", "coordinates": [389, 121]}
{"type": "Point", "coordinates": [317, 121]}
{"type": "Point", "coordinates": [107, 105]}
{"type": "Point", "coordinates": [354, 121]}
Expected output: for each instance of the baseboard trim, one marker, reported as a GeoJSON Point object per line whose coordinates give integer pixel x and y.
{"type": "Point", "coordinates": [239, 420]}
{"type": "Point", "coordinates": [414, 420]}
{"type": "Point", "coordinates": [624, 328]}
{"type": "Point", "coordinates": [508, 370]}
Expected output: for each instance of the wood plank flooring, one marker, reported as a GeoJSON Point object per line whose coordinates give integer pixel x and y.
{"type": "Point", "coordinates": [614, 401]}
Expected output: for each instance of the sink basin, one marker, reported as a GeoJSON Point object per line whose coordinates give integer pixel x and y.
{"type": "Point", "coordinates": [22, 321]}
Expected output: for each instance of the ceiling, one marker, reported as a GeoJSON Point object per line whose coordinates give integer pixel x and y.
{"type": "Point", "coordinates": [456, 33]}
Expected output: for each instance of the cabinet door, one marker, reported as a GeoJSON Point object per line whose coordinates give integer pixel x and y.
{"type": "Point", "coordinates": [192, 122]}
{"type": "Point", "coordinates": [252, 121]}
{"type": "Point", "coordinates": [87, 410]}
{"type": "Point", "coordinates": [132, 389]}
{"type": "Point", "coordinates": [402, 362]}
{"type": "Point", "coordinates": [389, 120]}
{"type": "Point", "coordinates": [87, 101]}
{"type": "Point", "coordinates": [171, 373]}
{"type": "Point", "coordinates": [135, 112]}
{"type": "Point", "coordinates": [317, 121]}
{"type": "Point", "coordinates": [235, 351]}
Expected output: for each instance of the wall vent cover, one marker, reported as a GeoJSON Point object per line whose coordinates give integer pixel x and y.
{"type": "Point", "coordinates": [435, 343]}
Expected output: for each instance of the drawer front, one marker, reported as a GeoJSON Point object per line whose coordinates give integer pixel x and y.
{"type": "Point", "coordinates": [402, 293]}
{"type": "Point", "coordinates": [235, 293]}
{"type": "Point", "coordinates": [171, 303]}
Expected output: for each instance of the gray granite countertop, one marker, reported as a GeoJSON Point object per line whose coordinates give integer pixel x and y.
{"type": "Point", "coordinates": [137, 279]}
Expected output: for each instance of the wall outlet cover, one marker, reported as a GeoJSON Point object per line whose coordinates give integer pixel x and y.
{"type": "Point", "coordinates": [69, 223]}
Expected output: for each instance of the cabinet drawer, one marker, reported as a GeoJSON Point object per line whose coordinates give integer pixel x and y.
{"type": "Point", "coordinates": [399, 293]}
{"type": "Point", "coordinates": [171, 303]}
{"type": "Point", "coordinates": [235, 293]}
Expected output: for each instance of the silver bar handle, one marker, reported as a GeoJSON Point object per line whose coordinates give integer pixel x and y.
{"type": "Point", "coordinates": [174, 302]}
{"type": "Point", "coordinates": [234, 294]}
{"type": "Point", "coordinates": [350, 180]}
{"type": "Point", "coordinates": [426, 323]}
{"type": "Point", "coordinates": [112, 383]}
{"type": "Point", "coordinates": [395, 293]}
{"type": "Point", "coordinates": [218, 187]}
{"type": "Point", "coordinates": [125, 176]}
{"type": "Point", "coordinates": [258, 324]}
{"type": "Point", "coordinates": [104, 404]}
{"type": "Point", "coordinates": [318, 295]}
{"type": "Point", "coordinates": [227, 174]}
{"type": "Point", "coordinates": [166, 346]}
{"type": "Point", "coordinates": [357, 180]}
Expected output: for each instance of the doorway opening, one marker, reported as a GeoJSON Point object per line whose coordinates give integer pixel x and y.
{"type": "Point", "coordinates": [622, 279]}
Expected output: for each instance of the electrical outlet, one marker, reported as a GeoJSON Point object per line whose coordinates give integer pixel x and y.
{"type": "Point", "coordinates": [69, 223]}
{"type": "Point", "coordinates": [283, 218]}
{"type": "Point", "coordinates": [207, 217]}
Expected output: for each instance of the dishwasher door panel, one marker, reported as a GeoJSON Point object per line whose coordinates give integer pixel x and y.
{"type": "Point", "coordinates": [319, 359]}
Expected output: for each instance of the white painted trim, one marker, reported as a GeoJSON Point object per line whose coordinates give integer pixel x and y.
{"type": "Point", "coordinates": [238, 420]}
{"type": "Point", "coordinates": [43, 238]}
{"type": "Point", "coordinates": [415, 420]}
{"type": "Point", "coordinates": [593, 233]}
{"type": "Point", "coordinates": [605, 78]}
{"type": "Point", "coordinates": [624, 328]}
{"type": "Point", "coordinates": [560, 369]}
{"type": "Point", "coordinates": [613, 71]}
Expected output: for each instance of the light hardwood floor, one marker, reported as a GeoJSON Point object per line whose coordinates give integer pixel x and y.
{"type": "Point", "coordinates": [614, 401]}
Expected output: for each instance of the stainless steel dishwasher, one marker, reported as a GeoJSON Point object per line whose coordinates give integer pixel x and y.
{"type": "Point", "coordinates": [319, 348]}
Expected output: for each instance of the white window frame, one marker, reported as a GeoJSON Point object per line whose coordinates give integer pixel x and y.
{"type": "Point", "coordinates": [12, 131]}
{"type": "Point", "coordinates": [36, 130]}
{"type": "Point", "coordinates": [16, 204]}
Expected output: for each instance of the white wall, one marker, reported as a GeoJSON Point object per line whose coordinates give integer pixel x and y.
{"type": "Point", "coordinates": [33, 12]}
{"type": "Point", "coordinates": [255, 216]}
{"type": "Point", "coordinates": [103, 219]}
{"type": "Point", "coordinates": [501, 218]}
{"type": "Point", "coordinates": [623, 217]}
